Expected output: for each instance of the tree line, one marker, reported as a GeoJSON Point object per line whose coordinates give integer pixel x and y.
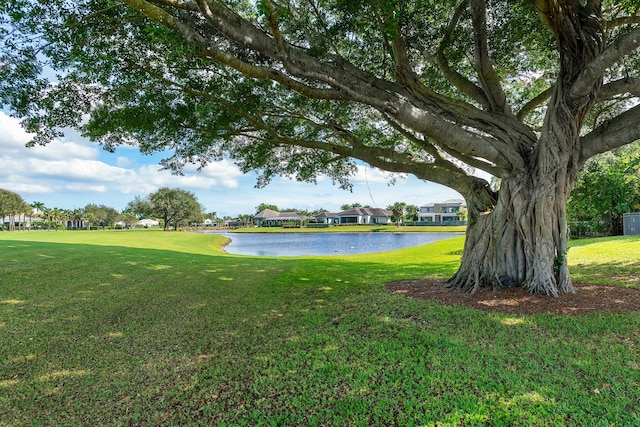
{"type": "Point", "coordinates": [175, 207]}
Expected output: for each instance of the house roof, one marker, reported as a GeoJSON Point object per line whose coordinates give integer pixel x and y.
{"type": "Point", "coordinates": [458, 202]}
{"type": "Point", "coordinates": [326, 215]}
{"type": "Point", "coordinates": [267, 213]}
{"type": "Point", "coordinates": [454, 202]}
{"type": "Point", "coordinates": [376, 212]}
{"type": "Point", "coordinates": [271, 214]}
{"type": "Point", "coordinates": [148, 221]}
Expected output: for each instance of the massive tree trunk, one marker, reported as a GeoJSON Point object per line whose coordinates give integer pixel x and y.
{"type": "Point", "coordinates": [522, 239]}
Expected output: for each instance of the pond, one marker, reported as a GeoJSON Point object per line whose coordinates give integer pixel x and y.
{"type": "Point", "coordinates": [304, 244]}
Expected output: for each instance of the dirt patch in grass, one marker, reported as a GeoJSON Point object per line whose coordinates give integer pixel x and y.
{"type": "Point", "coordinates": [588, 298]}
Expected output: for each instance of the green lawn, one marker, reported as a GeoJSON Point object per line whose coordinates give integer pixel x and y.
{"type": "Point", "coordinates": [152, 328]}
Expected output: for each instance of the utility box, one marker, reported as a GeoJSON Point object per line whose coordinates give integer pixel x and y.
{"type": "Point", "coordinates": [631, 224]}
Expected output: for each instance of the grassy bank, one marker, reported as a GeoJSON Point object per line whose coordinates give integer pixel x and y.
{"type": "Point", "coordinates": [153, 328]}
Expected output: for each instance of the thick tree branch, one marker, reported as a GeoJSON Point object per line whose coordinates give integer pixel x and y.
{"type": "Point", "coordinates": [266, 73]}
{"type": "Point", "coordinates": [406, 76]}
{"type": "Point", "coordinates": [461, 82]}
{"type": "Point", "coordinates": [621, 47]}
{"type": "Point", "coordinates": [405, 73]}
{"type": "Point", "coordinates": [535, 103]}
{"type": "Point", "coordinates": [178, 4]}
{"type": "Point", "coordinates": [211, 53]}
{"type": "Point", "coordinates": [275, 29]}
{"type": "Point", "coordinates": [342, 76]}
{"type": "Point", "coordinates": [236, 28]}
{"type": "Point", "coordinates": [460, 139]}
{"type": "Point", "coordinates": [165, 19]}
{"type": "Point", "coordinates": [619, 22]}
{"type": "Point", "coordinates": [621, 130]}
{"type": "Point", "coordinates": [619, 87]}
{"type": "Point", "coordinates": [440, 171]}
{"type": "Point", "coordinates": [350, 81]}
{"type": "Point", "coordinates": [438, 155]}
{"type": "Point", "coordinates": [486, 73]}
{"type": "Point", "coordinates": [475, 116]}
{"type": "Point", "coordinates": [544, 10]}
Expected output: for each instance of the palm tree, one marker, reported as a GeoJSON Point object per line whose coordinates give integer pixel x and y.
{"type": "Point", "coordinates": [90, 217]}
{"type": "Point", "coordinates": [24, 210]}
{"type": "Point", "coordinates": [76, 218]}
{"type": "Point", "coordinates": [305, 214]}
{"type": "Point", "coordinates": [66, 216]}
{"type": "Point", "coordinates": [38, 209]}
{"type": "Point", "coordinates": [38, 206]}
{"type": "Point", "coordinates": [56, 216]}
{"type": "Point", "coordinates": [47, 213]}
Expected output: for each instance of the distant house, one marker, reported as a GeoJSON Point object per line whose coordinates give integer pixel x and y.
{"type": "Point", "coordinates": [326, 218]}
{"type": "Point", "coordinates": [364, 216]}
{"type": "Point", "coordinates": [21, 221]}
{"type": "Point", "coordinates": [271, 218]}
{"type": "Point", "coordinates": [445, 212]}
{"type": "Point", "coordinates": [148, 223]}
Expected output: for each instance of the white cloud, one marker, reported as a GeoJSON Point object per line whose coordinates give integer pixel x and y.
{"type": "Point", "coordinates": [124, 161]}
{"type": "Point", "coordinates": [363, 174]}
{"type": "Point", "coordinates": [57, 150]}
{"type": "Point", "coordinates": [217, 174]}
{"type": "Point", "coordinates": [12, 133]}
{"type": "Point", "coordinates": [76, 167]}
{"type": "Point", "coordinates": [369, 174]}
{"type": "Point", "coordinates": [223, 173]}
{"type": "Point", "coordinates": [14, 139]}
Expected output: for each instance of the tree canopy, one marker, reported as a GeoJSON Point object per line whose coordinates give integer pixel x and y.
{"type": "Point", "coordinates": [525, 90]}
{"type": "Point", "coordinates": [397, 212]}
{"type": "Point", "coordinates": [11, 204]}
{"type": "Point", "coordinates": [175, 206]}
{"type": "Point", "coordinates": [263, 206]}
{"type": "Point", "coordinates": [100, 215]}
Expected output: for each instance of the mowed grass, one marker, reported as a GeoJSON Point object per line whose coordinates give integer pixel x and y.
{"type": "Point", "coordinates": [608, 261]}
{"type": "Point", "coordinates": [152, 328]}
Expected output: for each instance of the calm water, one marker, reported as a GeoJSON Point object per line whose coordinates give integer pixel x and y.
{"type": "Point", "coordinates": [297, 244]}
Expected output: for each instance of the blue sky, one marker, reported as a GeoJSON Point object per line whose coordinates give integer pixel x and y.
{"type": "Point", "coordinates": [73, 172]}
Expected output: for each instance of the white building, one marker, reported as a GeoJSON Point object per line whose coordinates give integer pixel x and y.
{"type": "Point", "coordinates": [364, 216]}
{"type": "Point", "coordinates": [148, 223]}
{"type": "Point", "coordinates": [445, 212]}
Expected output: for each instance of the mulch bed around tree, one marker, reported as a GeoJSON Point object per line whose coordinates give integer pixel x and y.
{"type": "Point", "coordinates": [588, 298]}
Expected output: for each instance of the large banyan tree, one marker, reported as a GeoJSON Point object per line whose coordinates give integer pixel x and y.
{"type": "Point", "coordinates": [524, 90]}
